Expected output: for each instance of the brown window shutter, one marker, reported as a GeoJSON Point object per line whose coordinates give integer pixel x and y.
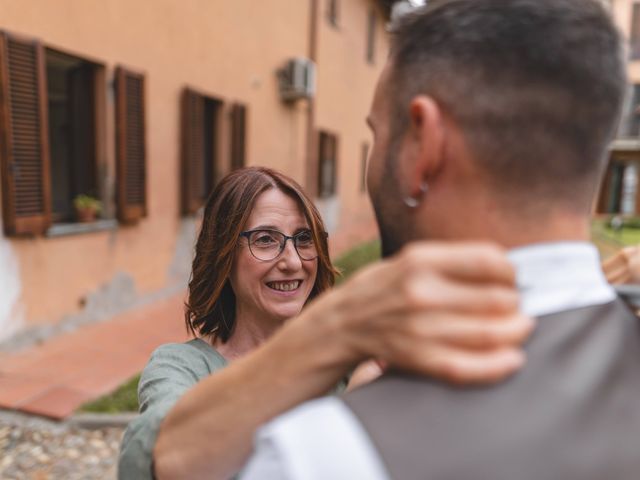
{"type": "Point", "coordinates": [131, 146]}
{"type": "Point", "coordinates": [24, 132]}
{"type": "Point", "coordinates": [193, 154]}
{"type": "Point", "coordinates": [238, 136]}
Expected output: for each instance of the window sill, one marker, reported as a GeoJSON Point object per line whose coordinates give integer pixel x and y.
{"type": "Point", "coordinates": [64, 229]}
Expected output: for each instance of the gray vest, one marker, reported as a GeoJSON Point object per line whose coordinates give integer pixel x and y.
{"type": "Point", "coordinates": [572, 413]}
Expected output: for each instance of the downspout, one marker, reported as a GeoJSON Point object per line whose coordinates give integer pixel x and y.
{"type": "Point", "coordinates": [311, 172]}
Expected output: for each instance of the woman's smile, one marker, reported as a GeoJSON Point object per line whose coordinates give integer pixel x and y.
{"type": "Point", "coordinates": [290, 287]}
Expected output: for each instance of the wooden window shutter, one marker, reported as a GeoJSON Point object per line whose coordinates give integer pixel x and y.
{"type": "Point", "coordinates": [131, 146]}
{"type": "Point", "coordinates": [193, 151]}
{"type": "Point", "coordinates": [238, 136]}
{"type": "Point", "coordinates": [24, 133]}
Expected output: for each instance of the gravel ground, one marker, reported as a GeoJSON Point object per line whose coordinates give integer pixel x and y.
{"type": "Point", "coordinates": [33, 448]}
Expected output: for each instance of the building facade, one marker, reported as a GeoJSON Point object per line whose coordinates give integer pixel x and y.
{"type": "Point", "coordinates": [619, 193]}
{"type": "Point", "coordinates": [143, 105]}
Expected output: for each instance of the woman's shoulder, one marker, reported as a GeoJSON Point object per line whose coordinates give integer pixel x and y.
{"type": "Point", "coordinates": [195, 354]}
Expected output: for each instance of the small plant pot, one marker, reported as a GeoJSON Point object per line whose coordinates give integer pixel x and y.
{"type": "Point", "coordinates": [86, 215]}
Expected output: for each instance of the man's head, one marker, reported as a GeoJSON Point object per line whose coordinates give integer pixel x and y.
{"type": "Point", "coordinates": [508, 104]}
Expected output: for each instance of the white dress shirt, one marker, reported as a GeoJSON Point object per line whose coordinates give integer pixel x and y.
{"type": "Point", "coordinates": [324, 440]}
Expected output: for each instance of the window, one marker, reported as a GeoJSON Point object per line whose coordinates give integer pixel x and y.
{"type": "Point", "coordinates": [371, 36]}
{"type": "Point", "coordinates": [327, 164]}
{"type": "Point", "coordinates": [333, 12]}
{"type": "Point", "coordinates": [363, 167]}
{"type": "Point", "coordinates": [49, 111]}
{"type": "Point", "coordinates": [199, 148]}
{"type": "Point", "coordinates": [130, 146]}
{"type": "Point", "coordinates": [619, 188]}
{"type": "Point", "coordinates": [630, 122]}
{"type": "Point", "coordinates": [71, 104]}
{"type": "Point", "coordinates": [238, 136]}
{"type": "Point", "coordinates": [634, 46]}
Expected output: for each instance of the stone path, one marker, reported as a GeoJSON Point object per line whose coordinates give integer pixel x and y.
{"type": "Point", "coordinates": [36, 449]}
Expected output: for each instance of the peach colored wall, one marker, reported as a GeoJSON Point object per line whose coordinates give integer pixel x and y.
{"type": "Point", "coordinates": [229, 49]}
{"type": "Point", "coordinates": [346, 82]}
{"type": "Point", "coordinates": [621, 12]}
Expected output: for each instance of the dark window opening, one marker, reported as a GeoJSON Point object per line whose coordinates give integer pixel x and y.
{"type": "Point", "coordinates": [363, 167]}
{"type": "Point", "coordinates": [634, 46]}
{"type": "Point", "coordinates": [630, 122]}
{"type": "Point", "coordinates": [238, 136]}
{"type": "Point", "coordinates": [333, 12]}
{"type": "Point", "coordinates": [371, 36]}
{"type": "Point", "coordinates": [615, 195]}
{"type": "Point", "coordinates": [71, 102]}
{"type": "Point", "coordinates": [327, 164]}
{"type": "Point", "coordinates": [209, 136]}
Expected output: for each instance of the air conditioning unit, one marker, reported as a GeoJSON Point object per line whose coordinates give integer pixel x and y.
{"type": "Point", "coordinates": [297, 79]}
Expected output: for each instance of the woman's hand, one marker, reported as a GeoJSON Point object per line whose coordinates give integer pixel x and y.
{"type": "Point", "coordinates": [365, 373]}
{"type": "Point", "coordinates": [624, 266]}
{"type": "Point", "coordinates": [449, 310]}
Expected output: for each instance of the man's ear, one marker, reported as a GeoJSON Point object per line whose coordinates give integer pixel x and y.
{"type": "Point", "coordinates": [425, 142]}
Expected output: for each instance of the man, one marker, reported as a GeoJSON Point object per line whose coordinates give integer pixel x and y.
{"type": "Point", "coordinates": [491, 121]}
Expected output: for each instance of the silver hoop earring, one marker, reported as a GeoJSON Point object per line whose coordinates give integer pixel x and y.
{"type": "Point", "coordinates": [414, 202]}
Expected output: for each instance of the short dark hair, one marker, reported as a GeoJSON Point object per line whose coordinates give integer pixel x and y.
{"type": "Point", "coordinates": [211, 304]}
{"type": "Point", "coordinates": [536, 86]}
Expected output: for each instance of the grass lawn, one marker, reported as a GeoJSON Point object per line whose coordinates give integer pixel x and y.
{"type": "Point", "coordinates": [125, 398]}
{"type": "Point", "coordinates": [609, 241]}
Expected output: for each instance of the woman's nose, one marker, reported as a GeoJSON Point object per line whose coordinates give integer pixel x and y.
{"type": "Point", "coordinates": [289, 258]}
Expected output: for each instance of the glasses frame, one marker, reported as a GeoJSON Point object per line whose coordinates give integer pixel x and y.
{"type": "Point", "coordinates": [246, 234]}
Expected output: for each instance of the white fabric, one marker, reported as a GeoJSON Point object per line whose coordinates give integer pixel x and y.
{"type": "Point", "coordinates": [323, 439]}
{"type": "Point", "coordinates": [319, 440]}
{"type": "Point", "coordinates": [554, 277]}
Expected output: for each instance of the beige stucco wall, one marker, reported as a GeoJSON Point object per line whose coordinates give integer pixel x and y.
{"type": "Point", "coordinates": [621, 12]}
{"type": "Point", "coordinates": [227, 49]}
{"type": "Point", "coordinates": [346, 81]}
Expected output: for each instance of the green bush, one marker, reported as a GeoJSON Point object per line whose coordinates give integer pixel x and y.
{"type": "Point", "coordinates": [356, 258]}
{"type": "Point", "coordinates": [124, 399]}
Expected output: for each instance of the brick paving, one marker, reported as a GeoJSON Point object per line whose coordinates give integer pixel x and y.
{"type": "Point", "coordinates": [55, 378]}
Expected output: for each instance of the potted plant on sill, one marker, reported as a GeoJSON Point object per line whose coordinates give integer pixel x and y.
{"type": "Point", "coordinates": [87, 208]}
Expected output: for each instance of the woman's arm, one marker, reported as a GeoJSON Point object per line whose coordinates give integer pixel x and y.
{"type": "Point", "coordinates": [444, 310]}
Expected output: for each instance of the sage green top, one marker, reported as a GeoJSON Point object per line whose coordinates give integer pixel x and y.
{"type": "Point", "coordinates": [172, 370]}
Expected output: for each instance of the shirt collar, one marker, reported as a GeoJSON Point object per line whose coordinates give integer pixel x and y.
{"type": "Point", "coordinates": [554, 277]}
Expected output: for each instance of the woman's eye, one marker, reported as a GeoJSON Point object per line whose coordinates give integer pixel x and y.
{"type": "Point", "coordinates": [304, 238]}
{"type": "Point", "coordinates": [264, 239]}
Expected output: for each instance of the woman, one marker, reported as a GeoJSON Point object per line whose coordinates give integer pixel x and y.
{"type": "Point", "coordinates": [261, 256]}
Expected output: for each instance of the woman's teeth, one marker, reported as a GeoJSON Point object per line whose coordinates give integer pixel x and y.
{"type": "Point", "coordinates": [284, 286]}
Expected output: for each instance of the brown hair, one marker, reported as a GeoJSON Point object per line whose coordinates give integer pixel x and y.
{"type": "Point", "coordinates": [211, 304]}
{"type": "Point", "coordinates": [536, 86]}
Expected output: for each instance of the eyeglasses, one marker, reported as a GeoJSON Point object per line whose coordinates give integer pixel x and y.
{"type": "Point", "coordinates": [266, 245]}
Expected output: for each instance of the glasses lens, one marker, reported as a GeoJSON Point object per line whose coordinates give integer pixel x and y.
{"type": "Point", "coordinates": [265, 244]}
{"type": "Point", "coordinates": [305, 245]}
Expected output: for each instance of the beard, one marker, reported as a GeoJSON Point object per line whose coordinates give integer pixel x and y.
{"type": "Point", "coordinates": [394, 225]}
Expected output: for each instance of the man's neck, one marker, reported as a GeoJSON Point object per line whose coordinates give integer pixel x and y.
{"type": "Point", "coordinates": [493, 222]}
